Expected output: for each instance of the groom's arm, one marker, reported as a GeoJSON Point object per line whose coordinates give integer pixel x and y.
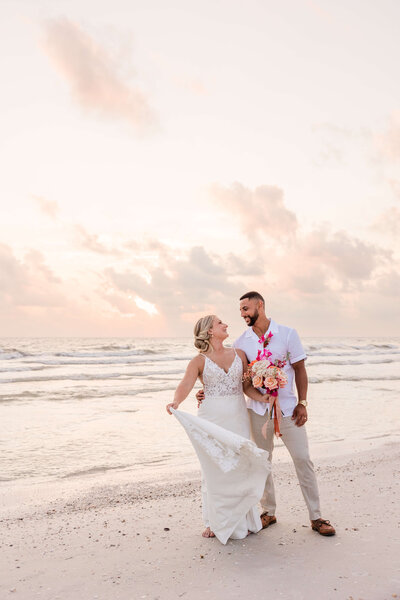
{"type": "Point", "coordinates": [301, 379]}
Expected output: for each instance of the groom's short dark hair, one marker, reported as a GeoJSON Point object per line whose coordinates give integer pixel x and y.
{"type": "Point", "coordinates": [251, 295]}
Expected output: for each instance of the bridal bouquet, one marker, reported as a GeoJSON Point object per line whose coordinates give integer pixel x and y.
{"type": "Point", "coordinates": [269, 376]}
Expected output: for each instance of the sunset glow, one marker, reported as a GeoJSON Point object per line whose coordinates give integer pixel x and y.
{"type": "Point", "coordinates": [161, 159]}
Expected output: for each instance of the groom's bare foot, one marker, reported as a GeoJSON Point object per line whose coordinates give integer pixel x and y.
{"type": "Point", "coordinates": [208, 533]}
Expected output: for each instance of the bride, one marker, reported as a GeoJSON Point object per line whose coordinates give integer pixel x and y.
{"type": "Point", "coordinates": [234, 470]}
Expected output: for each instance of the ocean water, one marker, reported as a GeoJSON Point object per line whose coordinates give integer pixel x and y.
{"type": "Point", "coordinates": [72, 408]}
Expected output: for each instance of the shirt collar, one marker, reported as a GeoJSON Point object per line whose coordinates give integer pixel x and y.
{"type": "Point", "coordinates": [273, 326]}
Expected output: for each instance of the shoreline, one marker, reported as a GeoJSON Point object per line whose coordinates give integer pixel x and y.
{"type": "Point", "coordinates": [48, 489]}
{"type": "Point", "coordinates": [143, 540]}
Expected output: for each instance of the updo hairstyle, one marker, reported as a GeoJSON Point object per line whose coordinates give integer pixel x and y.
{"type": "Point", "coordinates": [201, 335]}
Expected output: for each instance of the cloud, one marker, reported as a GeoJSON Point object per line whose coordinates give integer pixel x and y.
{"type": "Point", "coordinates": [323, 281]}
{"type": "Point", "coordinates": [320, 268]}
{"type": "Point", "coordinates": [323, 261]}
{"type": "Point", "coordinates": [389, 141]}
{"type": "Point", "coordinates": [146, 306]}
{"type": "Point", "coordinates": [27, 282]}
{"type": "Point", "coordinates": [330, 153]}
{"type": "Point", "coordinates": [200, 260]}
{"type": "Point", "coordinates": [240, 265]}
{"type": "Point", "coordinates": [95, 76]}
{"type": "Point", "coordinates": [92, 242]}
{"type": "Point", "coordinates": [192, 283]}
{"type": "Point", "coordinates": [36, 262]}
{"type": "Point", "coordinates": [188, 82]}
{"type": "Point", "coordinates": [348, 257]}
{"type": "Point", "coordinates": [388, 284]}
{"type": "Point", "coordinates": [122, 303]}
{"type": "Point", "coordinates": [336, 143]}
{"type": "Point", "coordinates": [47, 207]}
{"type": "Point", "coordinates": [388, 222]}
{"type": "Point", "coordinates": [395, 186]}
{"type": "Point", "coordinates": [319, 282]}
{"type": "Point", "coordinates": [258, 211]}
{"type": "Point", "coordinates": [315, 260]}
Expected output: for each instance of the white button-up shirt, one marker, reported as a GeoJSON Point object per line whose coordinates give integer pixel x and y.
{"type": "Point", "coordinates": [284, 340]}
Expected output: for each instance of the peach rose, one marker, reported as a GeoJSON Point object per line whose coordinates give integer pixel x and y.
{"type": "Point", "coordinates": [257, 381]}
{"type": "Point", "coordinates": [282, 379]}
{"type": "Point", "coordinates": [271, 383]}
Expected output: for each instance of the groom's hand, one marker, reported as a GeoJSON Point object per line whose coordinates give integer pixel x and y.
{"type": "Point", "coordinates": [200, 397]}
{"type": "Point", "coordinates": [300, 415]}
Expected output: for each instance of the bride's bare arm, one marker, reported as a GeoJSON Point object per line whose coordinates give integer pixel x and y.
{"type": "Point", "coordinates": [248, 388]}
{"type": "Point", "coordinates": [186, 385]}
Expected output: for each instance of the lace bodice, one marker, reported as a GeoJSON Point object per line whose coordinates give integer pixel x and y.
{"type": "Point", "coordinates": [219, 383]}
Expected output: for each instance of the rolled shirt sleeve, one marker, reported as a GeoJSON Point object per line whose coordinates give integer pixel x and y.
{"type": "Point", "coordinates": [295, 348]}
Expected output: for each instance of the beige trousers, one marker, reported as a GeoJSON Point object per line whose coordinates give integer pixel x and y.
{"type": "Point", "coordinates": [296, 441]}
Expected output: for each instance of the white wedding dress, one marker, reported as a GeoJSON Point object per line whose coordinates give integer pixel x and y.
{"type": "Point", "coordinates": [234, 469]}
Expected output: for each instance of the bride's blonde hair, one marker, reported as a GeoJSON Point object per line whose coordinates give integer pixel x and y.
{"type": "Point", "coordinates": [201, 333]}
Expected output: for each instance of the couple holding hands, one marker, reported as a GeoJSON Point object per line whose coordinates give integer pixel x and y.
{"type": "Point", "coordinates": [236, 472]}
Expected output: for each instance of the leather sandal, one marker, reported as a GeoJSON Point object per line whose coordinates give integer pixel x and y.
{"type": "Point", "coordinates": [267, 520]}
{"type": "Point", "coordinates": [323, 527]}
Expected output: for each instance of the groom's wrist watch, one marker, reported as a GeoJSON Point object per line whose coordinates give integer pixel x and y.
{"type": "Point", "coordinates": [303, 402]}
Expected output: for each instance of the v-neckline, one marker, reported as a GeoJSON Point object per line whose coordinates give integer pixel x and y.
{"type": "Point", "coordinates": [222, 368]}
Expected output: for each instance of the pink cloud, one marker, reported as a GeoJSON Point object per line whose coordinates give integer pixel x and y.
{"type": "Point", "coordinates": [92, 242]}
{"type": "Point", "coordinates": [261, 210]}
{"type": "Point", "coordinates": [322, 281]}
{"type": "Point", "coordinates": [309, 262]}
{"type": "Point", "coordinates": [388, 222]}
{"type": "Point", "coordinates": [347, 257]}
{"type": "Point", "coordinates": [47, 207]}
{"type": "Point", "coordinates": [27, 282]}
{"type": "Point", "coordinates": [389, 141]}
{"type": "Point", "coordinates": [94, 75]}
{"type": "Point", "coordinates": [323, 266]}
{"type": "Point", "coordinates": [321, 262]}
{"type": "Point", "coordinates": [185, 283]}
{"type": "Point", "coordinates": [395, 185]}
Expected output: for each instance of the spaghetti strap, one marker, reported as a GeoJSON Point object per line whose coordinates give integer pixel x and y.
{"type": "Point", "coordinates": [235, 350]}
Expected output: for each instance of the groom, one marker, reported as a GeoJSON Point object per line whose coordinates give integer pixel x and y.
{"type": "Point", "coordinates": [282, 340]}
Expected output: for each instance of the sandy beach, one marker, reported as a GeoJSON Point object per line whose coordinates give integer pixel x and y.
{"type": "Point", "coordinates": [127, 540]}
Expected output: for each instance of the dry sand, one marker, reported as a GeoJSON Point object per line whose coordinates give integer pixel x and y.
{"type": "Point", "coordinates": [131, 541]}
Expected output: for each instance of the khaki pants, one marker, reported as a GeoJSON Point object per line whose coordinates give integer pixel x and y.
{"type": "Point", "coordinates": [295, 440]}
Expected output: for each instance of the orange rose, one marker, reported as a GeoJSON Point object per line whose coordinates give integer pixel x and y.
{"type": "Point", "coordinates": [271, 383]}
{"type": "Point", "coordinates": [257, 381]}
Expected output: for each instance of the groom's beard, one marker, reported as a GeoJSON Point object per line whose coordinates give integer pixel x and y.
{"type": "Point", "coordinates": [252, 319]}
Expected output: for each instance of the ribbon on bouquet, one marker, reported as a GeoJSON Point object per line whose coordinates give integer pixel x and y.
{"type": "Point", "coordinates": [277, 414]}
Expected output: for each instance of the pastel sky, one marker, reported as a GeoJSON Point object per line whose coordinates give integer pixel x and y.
{"type": "Point", "coordinates": [158, 159]}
